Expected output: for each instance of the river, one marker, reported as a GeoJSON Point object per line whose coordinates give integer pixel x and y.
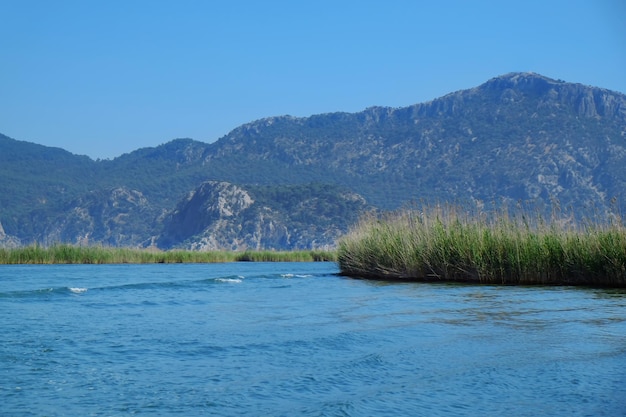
{"type": "Point", "coordinates": [296, 339]}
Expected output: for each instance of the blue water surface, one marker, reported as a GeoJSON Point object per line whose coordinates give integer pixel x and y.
{"type": "Point", "coordinates": [295, 339]}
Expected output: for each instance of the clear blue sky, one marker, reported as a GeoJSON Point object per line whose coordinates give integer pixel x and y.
{"type": "Point", "coordinates": [102, 78]}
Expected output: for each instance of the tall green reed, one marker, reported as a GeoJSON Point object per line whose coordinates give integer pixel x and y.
{"type": "Point", "coordinates": [447, 243]}
{"type": "Point", "coordinates": [70, 254]}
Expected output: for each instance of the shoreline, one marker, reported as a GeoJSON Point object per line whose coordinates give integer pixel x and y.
{"type": "Point", "coordinates": [69, 254]}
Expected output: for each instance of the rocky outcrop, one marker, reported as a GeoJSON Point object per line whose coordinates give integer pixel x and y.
{"type": "Point", "coordinates": [7, 241]}
{"type": "Point", "coordinates": [222, 216]}
{"type": "Point", "coordinates": [211, 207]}
{"type": "Point", "coordinates": [115, 217]}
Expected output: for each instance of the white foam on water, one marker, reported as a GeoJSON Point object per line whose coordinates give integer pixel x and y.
{"type": "Point", "coordinates": [232, 280]}
{"type": "Point", "coordinates": [77, 290]}
{"type": "Point", "coordinates": [296, 275]}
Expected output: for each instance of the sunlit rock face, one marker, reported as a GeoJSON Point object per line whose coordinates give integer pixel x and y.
{"type": "Point", "coordinates": [222, 216]}
{"type": "Point", "coordinates": [7, 241]}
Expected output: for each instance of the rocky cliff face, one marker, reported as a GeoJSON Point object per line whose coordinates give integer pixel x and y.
{"type": "Point", "coordinates": [222, 216]}
{"type": "Point", "coordinates": [7, 241]}
{"type": "Point", "coordinates": [115, 217]}
{"type": "Point", "coordinates": [212, 210]}
{"type": "Point", "coordinates": [215, 216]}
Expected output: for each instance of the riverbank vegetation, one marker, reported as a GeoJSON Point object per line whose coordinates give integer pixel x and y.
{"type": "Point", "coordinates": [69, 254]}
{"type": "Point", "coordinates": [450, 244]}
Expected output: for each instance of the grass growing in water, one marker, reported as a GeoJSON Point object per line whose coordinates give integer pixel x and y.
{"type": "Point", "coordinates": [447, 244]}
{"type": "Point", "coordinates": [69, 254]}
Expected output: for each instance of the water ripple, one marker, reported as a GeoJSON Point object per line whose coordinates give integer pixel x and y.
{"type": "Point", "coordinates": [295, 339]}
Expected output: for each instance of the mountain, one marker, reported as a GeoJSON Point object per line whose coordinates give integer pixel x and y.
{"type": "Point", "coordinates": [518, 138]}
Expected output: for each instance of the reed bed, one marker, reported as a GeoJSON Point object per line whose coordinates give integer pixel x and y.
{"type": "Point", "coordinates": [448, 244]}
{"type": "Point", "coordinates": [70, 254]}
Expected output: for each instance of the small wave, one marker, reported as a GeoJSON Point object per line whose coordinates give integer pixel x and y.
{"type": "Point", "coordinates": [232, 280]}
{"type": "Point", "coordinates": [296, 275]}
{"type": "Point", "coordinates": [77, 290]}
{"type": "Point", "coordinates": [42, 292]}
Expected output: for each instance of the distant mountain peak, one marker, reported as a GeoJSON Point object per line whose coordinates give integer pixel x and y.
{"type": "Point", "coordinates": [528, 75]}
{"type": "Point", "coordinates": [525, 81]}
